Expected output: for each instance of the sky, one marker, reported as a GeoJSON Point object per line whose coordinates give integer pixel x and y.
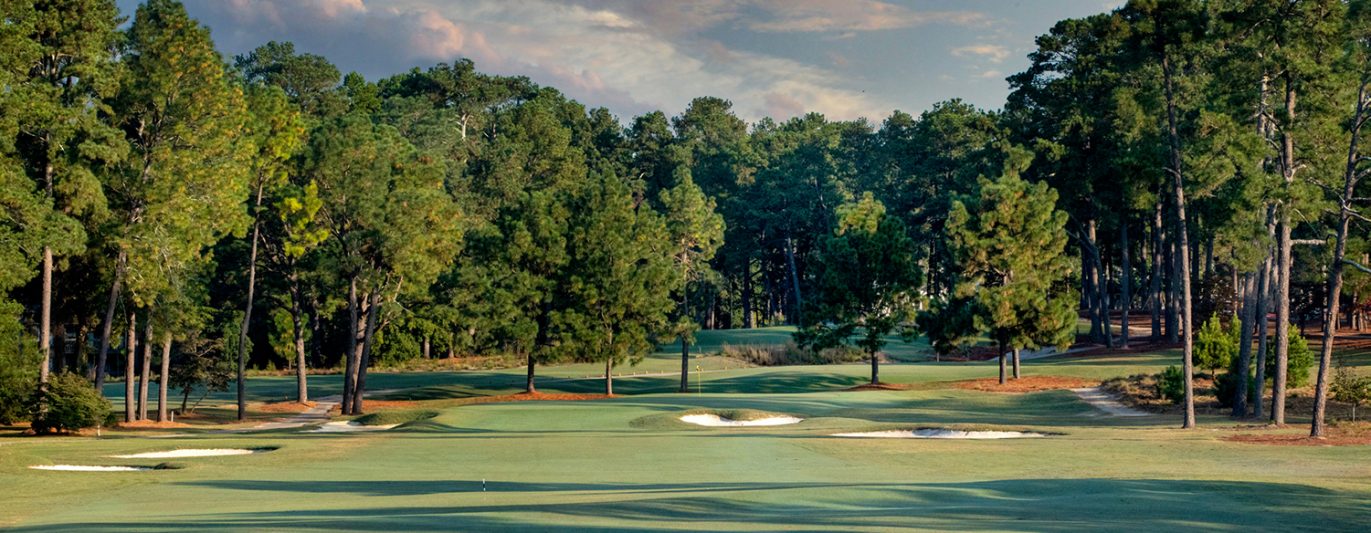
{"type": "Point", "coordinates": [778, 58]}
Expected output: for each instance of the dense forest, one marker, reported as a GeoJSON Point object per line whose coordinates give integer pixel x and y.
{"type": "Point", "coordinates": [1155, 166]}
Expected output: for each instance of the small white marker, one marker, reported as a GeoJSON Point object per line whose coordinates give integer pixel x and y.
{"type": "Point", "coordinates": [483, 484]}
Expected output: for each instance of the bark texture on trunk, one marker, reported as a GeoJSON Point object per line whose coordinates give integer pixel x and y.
{"type": "Point", "coordinates": [163, 378]}
{"type": "Point", "coordinates": [1001, 352]}
{"type": "Point", "coordinates": [1245, 329]}
{"type": "Point", "coordinates": [685, 365]}
{"type": "Point", "coordinates": [146, 373]}
{"type": "Point", "coordinates": [301, 363]}
{"type": "Point", "coordinates": [102, 357]}
{"type": "Point", "coordinates": [1182, 240]}
{"type": "Point", "coordinates": [1264, 284]}
{"type": "Point", "coordinates": [45, 316]}
{"type": "Point", "coordinates": [1335, 270]}
{"type": "Point", "coordinates": [247, 312]}
{"type": "Point", "coordinates": [1283, 261]}
{"type": "Point", "coordinates": [1125, 283]}
{"type": "Point", "coordinates": [529, 386]}
{"type": "Point", "coordinates": [1155, 280]}
{"type": "Point", "coordinates": [1016, 363]}
{"type": "Point", "coordinates": [609, 377]}
{"type": "Point", "coordinates": [875, 368]}
{"type": "Point", "coordinates": [130, 414]}
{"type": "Point", "coordinates": [368, 342]}
{"type": "Point", "coordinates": [350, 358]}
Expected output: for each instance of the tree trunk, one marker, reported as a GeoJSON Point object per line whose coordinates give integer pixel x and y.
{"type": "Point", "coordinates": [794, 278]}
{"type": "Point", "coordinates": [131, 341]}
{"type": "Point", "coordinates": [609, 377]}
{"type": "Point", "coordinates": [1264, 283]}
{"type": "Point", "coordinates": [1155, 282]}
{"type": "Point", "coordinates": [875, 368]}
{"type": "Point", "coordinates": [1282, 319]}
{"type": "Point", "coordinates": [1330, 324]}
{"type": "Point", "coordinates": [747, 295]}
{"type": "Point", "coordinates": [45, 313]}
{"type": "Point", "coordinates": [1016, 363]}
{"type": "Point", "coordinates": [427, 346]}
{"type": "Point", "coordinates": [164, 377]}
{"type": "Point", "coordinates": [1098, 330]}
{"type": "Point", "coordinates": [1245, 329]}
{"type": "Point", "coordinates": [146, 374]}
{"type": "Point", "coordinates": [685, 365]}
{"type": "Point", "coordinates": [101, 361]}
{"type": "Point", "coordinates": [1125, 283]}
{"type": "Point", "coordinates": [297, 323]}
{"type": "Point", "coordinates": [247, 313]}
{"type": "Point", "coordinates": [1001, 352]}
{"type": "Point", "coordinates": [350, 358]}
{"type": "Point", "coordinates": [529, 386]}
{"type": "Point", "coordinates": [1182, 240]}
{"type": "Point", "coordinates": [368, 343]}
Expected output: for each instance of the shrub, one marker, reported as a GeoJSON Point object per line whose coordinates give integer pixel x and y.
{"type": "Point", "coordinates": [69, 403]}
{"type": "Point", "coordinates": [1301, 358]}
{"type": "Point", "coordinates": [18, 380]}
{"type": "Point", "coordinates": [1171, 384]}
{"type": "Point", "coordinates": [1216, 346]}
{"type": "Point", "coordinates": [1350, 388]}
{"type": "Point", "coordinates": [791, 354]}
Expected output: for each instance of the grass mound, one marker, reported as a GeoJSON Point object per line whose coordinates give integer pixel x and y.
{"type": "Point", "coordinates": [790, 354]}
{"type": "Point", "coordinates": [391, 418]}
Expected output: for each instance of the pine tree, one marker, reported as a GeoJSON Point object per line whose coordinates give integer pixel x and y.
{"type": "Point", "coordinates": [1010, 241]}
{"type": "Point", "coordinates": [619, 274]}
{"type": "Point", "coordinates": [186, 183]}
{"type": "Point", "coordinates": [866, 285]}
{"type": "Point", "coordinates": [696, 231]}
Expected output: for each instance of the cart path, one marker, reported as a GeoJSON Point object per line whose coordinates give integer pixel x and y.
{"type": "Point", "coordinates": [1103, 401]}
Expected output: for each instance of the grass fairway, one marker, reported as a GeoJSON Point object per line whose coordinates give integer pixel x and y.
{"type": "Point", "coordinates": [629, 464]}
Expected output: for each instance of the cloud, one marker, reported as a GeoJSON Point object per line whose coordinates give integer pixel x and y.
{"type": "Point", "coordinates": [630, 56]}
{"type": "Point", "coordinates": [992, 52]}
{"type": "Point", "coordinates": [990, 74]}
{"type": "Point", "coordinates": [853, 16]}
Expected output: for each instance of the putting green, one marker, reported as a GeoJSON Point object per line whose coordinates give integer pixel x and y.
{"type": "Point", "coordinates": [553, 465]}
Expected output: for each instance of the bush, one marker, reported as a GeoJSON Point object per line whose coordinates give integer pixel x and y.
{"type": "Point", "coordinates": [18, 380]}
{"type": "Point", "coordinates": [1171, 384]}
{"type": "Point", "coordinates": [1216, 346]}
{"type": "Point", "coordinates": [1347, 387]}
{"type": "Point", "coordinates": [791, 354]}
{"type": "Point", "coordinates": [69, 403]}
{"type": "Point", "coordinates": [1301, 358]}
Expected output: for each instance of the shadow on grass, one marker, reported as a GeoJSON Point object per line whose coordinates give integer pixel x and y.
{"type": "Point", "coordinates": [1029, 504]}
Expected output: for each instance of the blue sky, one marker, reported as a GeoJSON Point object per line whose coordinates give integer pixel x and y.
{"type": "Point", "coordinates": [778, 58]}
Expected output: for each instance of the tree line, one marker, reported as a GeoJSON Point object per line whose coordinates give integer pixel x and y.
{"type": "Point", "coordinates": [1174, 159]}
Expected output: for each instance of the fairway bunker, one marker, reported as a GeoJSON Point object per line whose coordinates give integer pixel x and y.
{"type": "Point", "coordinates": [349, 427]}
{"type": "Point", "coordinates": [194, 452]}
{"type": "Point", "coordinates": [941, 433]}
{"type": "Point", "coordinates": [104, 468]}
{"type": "Point", "coordinates": [713, 420]}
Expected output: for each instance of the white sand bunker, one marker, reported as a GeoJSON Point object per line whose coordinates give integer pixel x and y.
{"type": "Point", "coordinates": [348, 427]}
{"type": "Point", "coordinates": [935, 433]}
{"type": "Point", "coordinates": [91, 468]}
{"type": "Point", "coordinates": [713, 420]}
{"type": "Point", "coordinates": [192, 452]}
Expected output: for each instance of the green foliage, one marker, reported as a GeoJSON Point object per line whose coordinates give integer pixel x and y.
{"type": "Point", "coordinates": [1010, 244]}
{"type": "Point", "coordinates": [619, 275]}
{"type": "Point", "coordinates": [18, 370]}
{"type": "Point", "coordinates": [866, 281]}
{"type": "Point", "coordinates": [69, 403]}
{"type": "Point", "coordinates": [1171, 384]}
{"type": "Point", "coordinates": [1300, 359]}
{"type": "Point", "coordinates": [1348, 387]}
{"type": "Point", "coordinates": [1216, 345]}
